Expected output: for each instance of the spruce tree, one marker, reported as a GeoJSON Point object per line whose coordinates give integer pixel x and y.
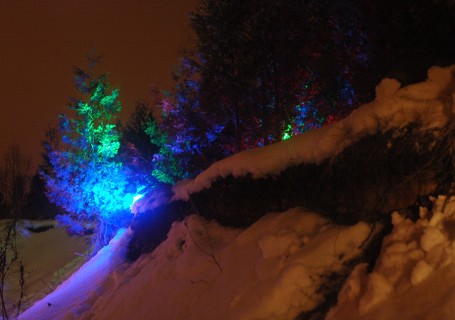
{"type": "Point", "coordinates": [146, 151]}
{"type": "Point", "coordinates": [193, 134]}
{"type": "Point", "coordinates": [86, 179]}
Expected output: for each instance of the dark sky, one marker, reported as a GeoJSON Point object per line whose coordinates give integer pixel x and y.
{"type": "Point", "coordinates": [41, 41]}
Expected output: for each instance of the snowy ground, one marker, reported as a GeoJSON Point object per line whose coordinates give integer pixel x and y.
{"type": "Point", "coordinates": [78, 293]}
{"type": "Point", "coordinates": [275, 268]}
{"type": "Point", "coordinates": [203, 271]}
{"type": "Point", "coordinates": [414, 276]}
{"type": "Point", "coordinates": [45, 256]}
{"type": "Point", "coordinates": [272, 270]}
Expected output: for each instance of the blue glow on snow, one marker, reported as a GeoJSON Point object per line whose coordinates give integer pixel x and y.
{"type": "Point", "coordinates": [137, 197]}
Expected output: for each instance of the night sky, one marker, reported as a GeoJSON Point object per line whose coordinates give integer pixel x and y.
{"type": "Point", "coordinates": [41, 41]}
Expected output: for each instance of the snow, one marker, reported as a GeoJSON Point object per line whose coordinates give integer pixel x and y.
{"type": "Point", "coordinates": [416, 263]}
{"type": "Point", "coordinates": [38, 252]}
{"type": "Point", "coordinates": [276, 268]}
{"type": "Point", "coordinates": [204, 271]}
{"type": "Point", "coordinates": [74, 295]}
{"type": "Point", "coordinates": [272, 270]}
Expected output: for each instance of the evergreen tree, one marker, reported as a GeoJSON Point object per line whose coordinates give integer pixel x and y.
{"type": "Point", "coordinates": [136, 150]}
{"type": "Point", "coordinates": [146, 152]}
{"type": "Point", "coordinates": [38, 205]}
{"type": "Point", "coordinates": [193, 133]}
{"type": "Point", "coordinates": [265, 70]}
{"type": "Point", "coordinates": [86, 180]}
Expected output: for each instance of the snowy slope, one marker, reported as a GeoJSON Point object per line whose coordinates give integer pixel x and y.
{"type": "Point", "coordinates": [414, 276]}
{"type": "Point", "coordinates": [77, 293]}
{"type": "Point", "coordinates": [275, 268]}
{"type": "Point", "coordinates": [272, 270]}
{"type": "Point", "coordinates": [204, 271]}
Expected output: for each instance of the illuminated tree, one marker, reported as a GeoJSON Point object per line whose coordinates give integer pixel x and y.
{"type": "Point", "coordinates": [137, 151]}
{"type": "Point", "coordinates": [165, 166]}
{"type": "Point", "coordinates": [266, 70]}
{"type": "Point", "coordinates": [86, 180]}
{"type": "Point", "coordinates": [146, 151]}
{"type": "Point", "coordinates": [195, 136]}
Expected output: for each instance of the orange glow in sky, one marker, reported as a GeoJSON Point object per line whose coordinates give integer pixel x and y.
{"type": "Point", "coordinates": [41, 41]}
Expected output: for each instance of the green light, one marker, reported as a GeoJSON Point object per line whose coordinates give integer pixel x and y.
{"type": "Point", "coordinates": [287, 133]}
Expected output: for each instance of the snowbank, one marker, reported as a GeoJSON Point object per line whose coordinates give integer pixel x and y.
{"type": "Point", "coordinates": [429, 104]}
{"type": "Point", "coordinates": [414, 276]}
{"type": "Point", "coordinates": [203, 271]}
{"type": "Point", "coordinates": [273, 270]}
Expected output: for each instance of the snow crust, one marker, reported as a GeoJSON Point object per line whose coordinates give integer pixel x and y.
{"type": "Point", "coordinates": [272, 270]}
{"type": "Point", "coordinates": [414, 276]}
{"type": "Point", "coordinates": [429, 103]}
{"type": "Point", "coordinates": [204, 271]}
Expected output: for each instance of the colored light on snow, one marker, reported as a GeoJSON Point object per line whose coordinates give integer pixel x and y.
{"type": "Point", "coordinates": [137, 197]}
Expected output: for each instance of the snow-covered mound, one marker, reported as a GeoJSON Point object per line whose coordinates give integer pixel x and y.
{"type": "Point", "coordinates": [414, 276]}
{"type": "Point", "coordinates": [273, 270]}
{"type": "Point", "coordinates": [276, 269]}
{"type": "Point", "coordinates": [429, 104]}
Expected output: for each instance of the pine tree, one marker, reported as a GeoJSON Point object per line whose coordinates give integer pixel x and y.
{"type": "Point", "coordinates": [408, 37]}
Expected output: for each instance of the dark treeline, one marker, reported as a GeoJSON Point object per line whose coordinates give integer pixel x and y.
{"type": "Point", "coordinates": [262, 71]}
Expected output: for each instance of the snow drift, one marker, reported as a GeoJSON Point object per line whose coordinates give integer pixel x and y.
{"type": "Point", "coordinates": [414, 276]}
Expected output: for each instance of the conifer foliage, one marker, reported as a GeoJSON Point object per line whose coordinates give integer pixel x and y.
{"type": "Point", "coordinates": [261, 72]}
{"type": "Point", "coordinates": [146, 150]}
{"type": "Point", "coordinates": [86, 179]}
{"type": "Point", "coordinates": [195, 132]}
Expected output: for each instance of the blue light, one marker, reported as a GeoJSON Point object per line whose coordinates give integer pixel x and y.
{"type": "Point", "coordinates": [137, 197]}
{"type": "Point", "coordinates": [141, 192]}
